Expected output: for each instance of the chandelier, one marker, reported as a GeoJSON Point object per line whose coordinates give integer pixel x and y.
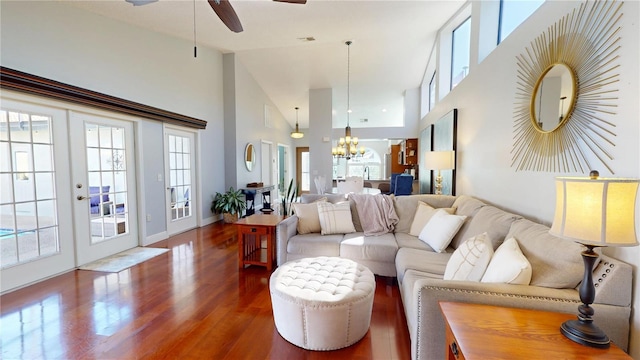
{"type": "Point", "coordinates": [297, 134]}
{"type": "Point", "coordinates": [347, 146]}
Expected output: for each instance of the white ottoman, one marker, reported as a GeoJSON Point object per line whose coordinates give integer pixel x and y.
{"type": "Point", "coordinates": [322, 303]}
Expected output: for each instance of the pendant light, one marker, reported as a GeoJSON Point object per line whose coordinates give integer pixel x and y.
{"type": "Point", "coordinates": [297, 134]}
{"type": "Point", "coordinates": [347, 146]}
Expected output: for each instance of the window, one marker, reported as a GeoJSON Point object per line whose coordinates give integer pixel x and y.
{"type": "Point", "coordinates": [369, 166]}
{"type": "Point", "coordinates": [513, 13]}
{"type": "Point", "coordinates": [432, 91]}
{"type": "Point", "coordinates": [460, 52]}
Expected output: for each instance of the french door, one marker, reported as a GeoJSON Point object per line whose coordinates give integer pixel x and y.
{"type": "Point", "coordinates": [36, 231]}
{"type": "Point", "coordinates": [104, 190]}
{"type": "Point", "coordinates": [180, 174]}
{"type": "Point", "coordinates": [68, 192]}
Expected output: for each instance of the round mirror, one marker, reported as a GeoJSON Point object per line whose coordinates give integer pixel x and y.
{"type": "Point", "coordinates": [249, 156]}
{"type": "Point", "coordinates": [553, 98]}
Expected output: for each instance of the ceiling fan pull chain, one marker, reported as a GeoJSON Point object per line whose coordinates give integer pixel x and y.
{"type": "Point", "coordinates": [195, 47]}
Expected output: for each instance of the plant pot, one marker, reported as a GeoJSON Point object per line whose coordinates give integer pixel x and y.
{"type": "Point", "coordinates": [230, 218]}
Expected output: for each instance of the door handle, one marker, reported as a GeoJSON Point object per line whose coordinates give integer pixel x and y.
{"type": "Point", "coordinates": [80, 197]}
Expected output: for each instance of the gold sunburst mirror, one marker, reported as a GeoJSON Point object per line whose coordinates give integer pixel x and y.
{"type": "Point", "coordinates": [565, 92]}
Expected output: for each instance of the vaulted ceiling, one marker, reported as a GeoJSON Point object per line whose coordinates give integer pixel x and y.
{"type": "Point", "coordinates": [392, 41]}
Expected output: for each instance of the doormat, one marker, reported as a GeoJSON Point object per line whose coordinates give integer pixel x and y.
{"type": "Point", "coordinates": [124, 260]}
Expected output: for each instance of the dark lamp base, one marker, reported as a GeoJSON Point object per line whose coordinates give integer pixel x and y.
{"type": "Point", "coordinates": [585, 333]}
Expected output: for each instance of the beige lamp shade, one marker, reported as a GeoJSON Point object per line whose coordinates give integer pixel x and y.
{"type": "Point", "coordinates": [599, 212]}
{"type": "Point", "coordinates": [440, 160]}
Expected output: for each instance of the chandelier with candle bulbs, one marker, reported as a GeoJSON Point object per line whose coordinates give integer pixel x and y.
{"type": "Point", "coordinates": [347, 146]}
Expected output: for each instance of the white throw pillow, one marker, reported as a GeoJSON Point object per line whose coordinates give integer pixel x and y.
{"type": "Point", "coordinates": [424, 212]}
{"type": "Point", "coordinates": [508, 265]}
{"type": "Point", "coordinates": [335, 218]}
{"type": "Point", "coordinates": [441, 229]}
{"type": "Point", "coordinates": [470, 260]}
{"type": "Point", "coordinates": [308, 219]}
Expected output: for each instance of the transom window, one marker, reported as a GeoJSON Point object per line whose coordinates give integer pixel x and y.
{"type": "Point", "coordinates": [432, 91]}
{"type": "Point", "coordinates": [513, 13]}
{"type": "Point", "coordinates": [460, 52]}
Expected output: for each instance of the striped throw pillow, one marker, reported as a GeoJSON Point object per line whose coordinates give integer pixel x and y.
{"type": "Point", "coordinates": [335, 218]}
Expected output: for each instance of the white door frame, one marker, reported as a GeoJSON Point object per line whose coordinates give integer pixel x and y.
{"type": "Point", "coordinates": [287, 164]}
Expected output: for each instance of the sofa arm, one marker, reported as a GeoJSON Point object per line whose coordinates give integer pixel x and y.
{"type": "Point", "coordinates": [284, 231]}
{"type": "Point", "coordinates": [428, 340]}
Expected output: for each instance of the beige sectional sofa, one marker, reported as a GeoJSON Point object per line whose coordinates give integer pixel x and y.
{"type": "Point", "coordinates": [556, 267]}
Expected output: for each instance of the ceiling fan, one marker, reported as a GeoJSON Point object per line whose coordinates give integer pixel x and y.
{"type": "Point", "coordinates": [225, 12]}
{"type": "Point", "coordinates": [223, 9]}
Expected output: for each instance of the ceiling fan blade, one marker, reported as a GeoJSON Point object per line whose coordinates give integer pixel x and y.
{"type": "Point", "coordinates": [225, 12]}
{"type": "Point", "coordinates": [293, 1]}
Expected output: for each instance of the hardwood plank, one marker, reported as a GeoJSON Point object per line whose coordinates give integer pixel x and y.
{"type": "Point", "coordinates": [192, 302]}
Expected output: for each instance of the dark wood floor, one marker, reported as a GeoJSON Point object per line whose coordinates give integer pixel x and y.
{"type": "Point", "coordinates": [190, 303]}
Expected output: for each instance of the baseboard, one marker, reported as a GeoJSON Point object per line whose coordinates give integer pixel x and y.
{"type": "Point", "coordinates": [151, 239]}
{"type": "Point", "coordinates": [210, 220]}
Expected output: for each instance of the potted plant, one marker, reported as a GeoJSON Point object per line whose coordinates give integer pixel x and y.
{"type": "Point", "coordinates": [289, 198]}
{"type": "Point", "coordinates": [230, 204]}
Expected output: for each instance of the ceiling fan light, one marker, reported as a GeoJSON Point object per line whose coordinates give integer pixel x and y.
{"type": "Point", "coordinates": [140, 2]}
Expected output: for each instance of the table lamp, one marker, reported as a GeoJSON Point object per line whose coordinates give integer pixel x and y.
{"type": "Point", "coordinates": [440, 160]}
{"type": "Point", "coordinates": [594, 212]}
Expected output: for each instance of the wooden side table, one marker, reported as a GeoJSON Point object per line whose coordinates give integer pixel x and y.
{"type": "Point", "coordinates": [484, 332]}
{"type": "Point", "coordinates": [250, 232]}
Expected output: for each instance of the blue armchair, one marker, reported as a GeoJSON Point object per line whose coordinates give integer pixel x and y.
{"type": "Point", "coordinates": [99, 197]}
{"type": "Point", "coordinates": [403, 185]}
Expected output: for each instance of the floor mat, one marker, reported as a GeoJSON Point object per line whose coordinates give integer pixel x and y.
{"type": "Point", "coordinates": [123, 260]}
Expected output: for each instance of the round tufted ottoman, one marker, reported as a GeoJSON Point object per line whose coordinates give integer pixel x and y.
{"type": "Point", "coordinates": [322, 303]}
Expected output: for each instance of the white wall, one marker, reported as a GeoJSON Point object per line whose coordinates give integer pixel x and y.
{"type": "Point", "coordinates": [63, 43]}
{"type": "Point", "coordinates": [485, 130]}
{"type": "Point", "coordinates": [245, 123]}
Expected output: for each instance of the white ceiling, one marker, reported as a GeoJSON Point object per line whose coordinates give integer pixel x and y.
{"type": "Point", "coordinates": [392, 41]}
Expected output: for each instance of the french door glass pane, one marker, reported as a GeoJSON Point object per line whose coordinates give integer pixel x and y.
{"type": "Point", "coordinates": [107, 173]}
{"type": "Point", "coordinates": [28, 218]}
{"type": "Point", "coordinates": [180, 176]}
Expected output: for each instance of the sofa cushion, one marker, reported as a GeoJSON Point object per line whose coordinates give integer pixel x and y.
{"type": "Point", "coordinates": [335, 218]}
{"type": "Point", "coordinates": [508, 265]}
{"type": "Point", "coordinates": [555, 262]}
{"type": "Point", "coordinates": [467, 205]}
{"type": "Point", "coordinates": [424, 261]}
{"type": "Point", "coordinates": [424, 212]}
{"type": "Point", "coordinates": [315, 245]}
{"type": "Point", "coordinates": [495, 222]}
{"type": "Point", "coordinates": [406, 207]}
{"type": "Point", "coordinates": [410, 241]}
{"type": "Point", "coordinates": [308, 219]}
{"type": "Point", "coordinates": [357, 246]}
{"type": "Point", "coordinates": [470, 259]}
{"type": "Point", "coordinates": [441, 229]}
{"type": "Point", "coordinates": [355, 216]}
{"type": "Point", "coordinates": [332, 198]}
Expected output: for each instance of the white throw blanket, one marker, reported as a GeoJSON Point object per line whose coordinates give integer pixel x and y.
{"type": "Point", "coordinates": [376, 212]}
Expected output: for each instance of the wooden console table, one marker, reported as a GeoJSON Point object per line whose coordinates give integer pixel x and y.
{"type": "Point", "coordinates": [475, 331]}
{"type": "Point", "coordinates": [251, 229]}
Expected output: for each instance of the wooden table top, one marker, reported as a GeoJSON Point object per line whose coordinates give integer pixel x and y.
{"type": "Point", "coordinates": [494, 332]}
{"type": "Point", "coordinates": [261, 220]}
